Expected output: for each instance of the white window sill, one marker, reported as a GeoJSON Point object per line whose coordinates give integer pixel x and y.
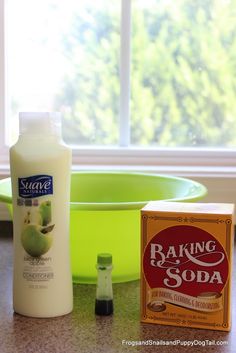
{"type": "Point", "coordinates": [216, 169]}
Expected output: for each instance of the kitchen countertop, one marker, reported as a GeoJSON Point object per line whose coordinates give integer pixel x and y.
{"type": "Point", "coordinates": [81, 331]}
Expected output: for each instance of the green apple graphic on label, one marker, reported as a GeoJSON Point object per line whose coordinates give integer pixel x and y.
{"type": "Point", "coordinates": [36, 236]}
{"type": "Point", "coordinates": [45, 212]}
{"type": "Point", "coordinates": [36, 240]}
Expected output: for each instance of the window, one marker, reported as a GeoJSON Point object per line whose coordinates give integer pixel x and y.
{"type": "Point", "coordinates": [182, 76]}
{"type": "Point", "coordinates": [173, 87]}
{"type": "Point", "coordinates": [63, 56]}
{"type": "Point", "coordinates": [155, 78]}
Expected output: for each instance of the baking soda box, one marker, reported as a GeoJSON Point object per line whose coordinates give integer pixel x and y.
{"type": "Point", "coordinates": [187, 264]}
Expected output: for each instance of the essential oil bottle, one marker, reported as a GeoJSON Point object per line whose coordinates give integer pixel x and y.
{"type": "Point", "coordinates": [104, 293]}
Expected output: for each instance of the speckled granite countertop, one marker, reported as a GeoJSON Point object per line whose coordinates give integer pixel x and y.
{"type": "Point", "coordinates": [82, 332]}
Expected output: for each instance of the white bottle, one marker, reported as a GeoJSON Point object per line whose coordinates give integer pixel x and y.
{"type": "Point", "coordinates": [40, 174]}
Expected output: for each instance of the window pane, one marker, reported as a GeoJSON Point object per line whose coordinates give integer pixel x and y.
{"type": "Point", "coordinates": [183, 73]}
{"type": "Point", "coordinates": [64, 55]}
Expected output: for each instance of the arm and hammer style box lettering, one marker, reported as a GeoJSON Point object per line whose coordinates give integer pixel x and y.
{"type": "Point", "coordinates": [186, 269]}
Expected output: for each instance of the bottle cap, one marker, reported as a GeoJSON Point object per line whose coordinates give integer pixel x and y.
{"type": "Point", "coordinates": [104, 259]}
{"type": "Point", "coordinates": [36, 123]}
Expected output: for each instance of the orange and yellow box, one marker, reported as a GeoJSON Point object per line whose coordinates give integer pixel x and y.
{"type": "Point", "coordinates": [186, 255]}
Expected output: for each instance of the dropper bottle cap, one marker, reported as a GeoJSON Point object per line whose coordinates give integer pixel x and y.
{"type": "Point", "coordinates": [104, 259]}
{"type": "Point", "coordinates": [40, 123]}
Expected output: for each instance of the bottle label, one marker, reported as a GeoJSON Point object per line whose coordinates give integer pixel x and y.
{"type": "Point", "coordinates": [184, 262]}
{"type": "Point", "coordinates": [35, 186]}
{"type": "Point", "coordinates": [36, 228]}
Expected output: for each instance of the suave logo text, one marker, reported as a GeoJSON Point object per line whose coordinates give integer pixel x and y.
{"type": "Point", "coordinates": [35, 186]}
{"type": "Point", "coordinates": [198, 253]}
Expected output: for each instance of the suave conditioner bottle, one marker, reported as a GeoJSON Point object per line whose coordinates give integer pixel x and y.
{"type": "Point", "coordinates": [40, 175]}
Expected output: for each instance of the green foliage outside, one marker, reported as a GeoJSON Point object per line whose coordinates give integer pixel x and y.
{"type": "Point", "coordinates": [183, 75]}
{"type": "Point", "coordinates": [90, 91]}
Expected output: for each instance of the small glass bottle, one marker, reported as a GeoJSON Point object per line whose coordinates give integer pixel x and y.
{"type": "Point", "coordinates": [104, 293]}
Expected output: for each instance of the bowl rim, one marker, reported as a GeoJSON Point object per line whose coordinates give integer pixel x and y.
{"type": "Point", "coordinates": [5, 197]}
{"type": "Point", "coordinates": [133, 205]}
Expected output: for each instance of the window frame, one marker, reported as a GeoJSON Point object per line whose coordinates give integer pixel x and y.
{"type": "Point", "coordinates": [203, 162]}
{"type": "Point", "coordinates": [3, 146]}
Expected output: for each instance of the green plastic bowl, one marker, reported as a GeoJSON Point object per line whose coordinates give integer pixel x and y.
{"type": "Point", "coordinates": [105, 217]}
